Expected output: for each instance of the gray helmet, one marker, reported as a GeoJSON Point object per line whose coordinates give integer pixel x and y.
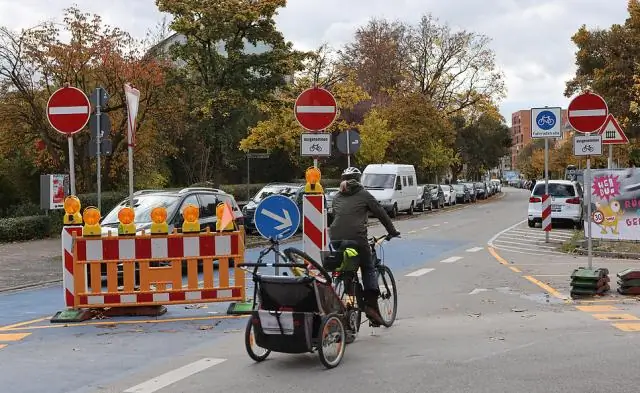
{"type": "Point", "coordinates": [351, 173]}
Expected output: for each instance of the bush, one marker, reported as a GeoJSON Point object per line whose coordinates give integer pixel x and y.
{"type": "Point", "coordinates": [24, 228]}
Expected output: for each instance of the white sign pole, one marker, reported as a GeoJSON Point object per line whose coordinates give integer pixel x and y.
{"type": "Point", "coordinates": [348, 150]}
{"type": "Point", "coordinates": [610, 160]}
{"type": "Point", "coordinates": [133, 99]}
{"type": "Point", "coordinates": [587, 187]}
{"type": "Point", "coordinates": [72, 166]}
{"type": "Point", "coordinates": [546, 180]}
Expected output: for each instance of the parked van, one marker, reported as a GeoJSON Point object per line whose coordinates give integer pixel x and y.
{"type": "Point", "coordinates": [394, 185]}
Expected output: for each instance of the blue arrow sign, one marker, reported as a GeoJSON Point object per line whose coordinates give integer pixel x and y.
{"type": "Point", "coordinates": [277, 217]}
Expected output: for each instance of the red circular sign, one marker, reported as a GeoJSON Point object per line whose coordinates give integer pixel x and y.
{"type": "Point", "coordinates": [587, 112]}
{"type": "Point", "coordinates": [68, 110]}
{"type": "Point", "coordinates": [598, 217]}
{"type": "Point", "coordinates": [315, 109]}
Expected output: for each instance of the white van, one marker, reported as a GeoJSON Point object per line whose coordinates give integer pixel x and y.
{"type": "Point", "coordinates": [394, 185]}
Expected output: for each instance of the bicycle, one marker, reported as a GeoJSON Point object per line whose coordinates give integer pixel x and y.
{"type": "Point", "coordinates": [316, 147]}
{"type": "Point", "coordinates": [546, 120]}
{"type": "Point", "coordinates": [587, 148]}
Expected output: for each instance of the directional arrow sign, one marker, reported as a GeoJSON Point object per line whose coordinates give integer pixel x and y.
{"type": "Point", "coordinates": [277, 217]}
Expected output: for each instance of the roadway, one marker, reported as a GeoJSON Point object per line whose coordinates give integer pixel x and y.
{"type": "Point", "coordinates": [470, 319]}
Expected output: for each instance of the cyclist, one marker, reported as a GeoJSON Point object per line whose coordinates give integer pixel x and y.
{"type": "Point", "coordinates": [351, 207]}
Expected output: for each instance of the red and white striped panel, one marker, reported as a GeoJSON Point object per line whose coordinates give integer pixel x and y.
{"type": "Point", "coordinates": [137, 299]}
{"type": "Point", "coordinates": [68, 286]}
{"type": "Point", "coordinates": [314, 228]}
{"type": "Point", "coordinates": [546, 213]}
{"type": "Point", "coordinates": [118, 249]}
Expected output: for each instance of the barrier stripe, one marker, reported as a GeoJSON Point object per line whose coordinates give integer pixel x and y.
{"type": "Point", "coordinates": [117, 249]}
{"type": "Point", "coordinates": [68, 285]}
{"type": "Point", "coordinates": [314, 237]}
{"type": "Point", "coordinates": [187, 296]}
{"type": "Point", "coordinates": [546, 213]}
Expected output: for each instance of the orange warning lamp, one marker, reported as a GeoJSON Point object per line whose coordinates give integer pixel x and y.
{"type": "Point", "coordinates": [191, 213]}
{"type": "Point", "coordinates": [159, 221]}
{"type": "Point", "coordinates": [91, 218]}
{"type": "Point", "coordinates": [72, 211]}
{"type": "Point", "coordinates": [221, 217]}
{"type": "Point", "coordinates": [312, 176]}
{"type": "Point", "coordinates": [126, 216]}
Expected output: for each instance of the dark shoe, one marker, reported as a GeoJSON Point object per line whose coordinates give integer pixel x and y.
{"type": "Point", "coordinates": [371, 309]}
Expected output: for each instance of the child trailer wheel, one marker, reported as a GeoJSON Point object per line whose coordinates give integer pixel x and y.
{"type": "Point", "coordinates": [255, 352]}
{"type": "Point", "coordinates": [332, 341]}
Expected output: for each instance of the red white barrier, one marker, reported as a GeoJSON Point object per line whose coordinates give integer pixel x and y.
{"type": "Point", "coordinates": [546, 213]}
{"type": "Point", "coordinates": [314, 225]}
{"type": "Point", "coordinates": [68, 286]}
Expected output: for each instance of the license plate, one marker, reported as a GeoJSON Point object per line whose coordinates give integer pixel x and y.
{"type": "Point", "coordinates": [556, 207]}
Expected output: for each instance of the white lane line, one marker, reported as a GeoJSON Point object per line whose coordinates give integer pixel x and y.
{"type": "Point", "coordinates": [451, 260]}
{"type": "Point", "coordinates": [478, 290]}
{"type": "Point", "coordinates": [412, 231]}
{"type": "Point", "coordinates": [524, 244]}
{"type": "Point", "coordinates": [423, 228]}
{"type": "Point", "coordinates": [436, 225]}
{"type": "Point", "coordinates": [490, 242]}
{"type": "Point", "coordinates": [446, 222]}
{"type": "Point", "coordinates": [529, 237]}
{"type": "Point", "coordinates": [171, 377]}
{"type": "Point", "coordinates": [475, 249]}
{"type": "Point", "coordinates": [420, 272]}
{"type": "Point", "coordinates": [534, 251]}
{"type": "Point", "coordinates": [541, 233]}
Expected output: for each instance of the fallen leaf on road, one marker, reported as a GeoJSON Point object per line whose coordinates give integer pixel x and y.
{"type": "Point", "coordinates": [108, 326]}
{"type": "Point", "coordinates": [205, 327]}
{"type": "Point", "coordinates": [518, 309]}
{"type": "Point", "coordinates": [195, 306]}
{"type": "Point", "coordinates": [497, 338]}
{"type": "Point", "coordinates": [475, 314]}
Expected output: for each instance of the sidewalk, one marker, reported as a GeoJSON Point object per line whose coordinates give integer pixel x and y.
{"type": "Point", "coordinates": [30, 263]}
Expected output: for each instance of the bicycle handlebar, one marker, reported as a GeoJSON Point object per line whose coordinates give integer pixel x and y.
{"type": "Point", "coordinates": [264, 264]}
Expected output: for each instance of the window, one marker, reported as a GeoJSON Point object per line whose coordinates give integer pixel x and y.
{"type": "Point", "coordinates": [404, 181]}
{"type": "Point", "coordinates": [398, 183]}
{"type": "Point", "coordinates": [376, 180]}
{"type": "Point", "coordinates": [555, 190]}
{"type": "Point", "coordinates": [228, 199]}
{"type": "Point", "coordinates": [142, 206]}
{"type": "Point", "coordinates": [190, 200]}
{"type": "Point", "coordinates": [209, 203]}
{"type": "Point", "coordinates": [410, 180]}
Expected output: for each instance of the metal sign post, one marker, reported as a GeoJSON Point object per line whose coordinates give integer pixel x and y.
{"type": "Point", "coordinates": [546, 179]}
{"type": "Point", "coordinates": [260, 154]}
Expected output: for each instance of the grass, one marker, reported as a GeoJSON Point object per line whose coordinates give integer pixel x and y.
{"type": "Point", "coordinates": [570, 245]}
{"type": "Point", "coordinates": [616, 246]}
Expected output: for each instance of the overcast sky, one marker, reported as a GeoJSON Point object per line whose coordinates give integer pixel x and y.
{"type": "Point", "coordinates": [530, 37]}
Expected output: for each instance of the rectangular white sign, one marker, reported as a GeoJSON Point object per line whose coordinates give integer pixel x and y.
{"type": "Point", "coordinates": [584, 145]}
{"type": "Point", "coordinates": [546, 122]}
{"type": "Point", "coordinates": [317, 144]}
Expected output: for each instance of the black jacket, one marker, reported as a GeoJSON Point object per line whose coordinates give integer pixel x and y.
{"type": "Point", "coordinates": [351, 210]}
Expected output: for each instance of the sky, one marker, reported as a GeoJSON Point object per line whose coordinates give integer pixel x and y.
{"type": "Point", "coordinates": [531, 38]}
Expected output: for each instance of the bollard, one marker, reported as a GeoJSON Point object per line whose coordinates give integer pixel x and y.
{"type": "Point", "coordinates": [314, 217]}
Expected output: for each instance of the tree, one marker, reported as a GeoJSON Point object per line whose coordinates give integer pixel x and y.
{"type": "Point", "coordinates": [455, 70]}
{"type": "Point", "coordinates": [35, 62]}
{"type": "Point", "coordinates": [375, 136]}
{"type": "Point", "coordinates": [232, 59]}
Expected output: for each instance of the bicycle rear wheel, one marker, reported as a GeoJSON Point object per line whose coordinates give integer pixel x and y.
{"type": "Point", "coordinates": [388, 300]}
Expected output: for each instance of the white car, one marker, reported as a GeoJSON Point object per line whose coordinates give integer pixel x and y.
{"type": "Point", "coordinates": [566, 203]}
{"type": "Point", "coordinates": [449, 194]}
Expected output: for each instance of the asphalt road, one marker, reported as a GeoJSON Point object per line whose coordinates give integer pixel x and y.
{"type": "Point", "coordinates": [469, 320]}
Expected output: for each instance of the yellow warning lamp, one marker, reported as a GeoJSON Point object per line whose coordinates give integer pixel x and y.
{"type": "Point", "coordinates": [91, 218]}
{"type": "Point", "coordinates": [220, 209]}
{"type": "Point", "coordinates": [312, 176]}
{"type": "Point", "coordinates": [126, 216]}
{"type": "Point", "coordinates": [72, 211]}
{"type": "Point", "coordinates": [191, 213]}
{"type": "Point", "coordinates": [159, 221]}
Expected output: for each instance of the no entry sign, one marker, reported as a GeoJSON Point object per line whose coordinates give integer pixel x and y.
{"type": "Point", "coordinates": [587, 112]}
{"type": "Point", "coordinates": [315, 109]}
{"type": "Point", "coordinates": [68, 110]}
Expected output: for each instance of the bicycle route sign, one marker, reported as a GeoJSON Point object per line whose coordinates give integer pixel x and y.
{"type": "Point", "coordinates": [546, 122]}
{"type": "Point", "coordinates": [587, 145]}
{"type": "Point", "coordinates": [587, 113]}
{"type": "Point", "coordinates": [315, 144]}
{"type": "Point", "coordinates": [277, 217]}
{"type": "Point", "coordinates": [315, 109]}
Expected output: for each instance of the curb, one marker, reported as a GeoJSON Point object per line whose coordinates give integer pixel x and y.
{"type": "Point", "coordinates": [29, 286]}
{"type": "Point", "coordinates": [607, 254]}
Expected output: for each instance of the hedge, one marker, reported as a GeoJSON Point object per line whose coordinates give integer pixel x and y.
{"type": "Point", "coordinates": [24, 228]}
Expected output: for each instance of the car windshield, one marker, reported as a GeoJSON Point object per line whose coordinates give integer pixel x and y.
{"type": "Point", "coordinates": [142, 206]}
{"type": "Point", "coordinates": [332, 191]}
{"type": "Point", "coordinates": [378, 180]}
{"type": "Point", "coordinates": [458, 187]}
{"type": "Point", "coordinates": [287, 191]}
{"type": "Point", "coordinates": [432, 187]}
{"type": "Point", "coordinates": [555, 190]}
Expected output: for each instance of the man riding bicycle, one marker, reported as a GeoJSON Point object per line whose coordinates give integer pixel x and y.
{"type": "Point", "coordinates": [351, 207]}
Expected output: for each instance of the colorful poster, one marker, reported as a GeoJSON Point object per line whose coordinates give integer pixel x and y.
{"type": "Point", "coordinates": [57, 191]}
{"type": "Point", "coordinates": [615, 204]}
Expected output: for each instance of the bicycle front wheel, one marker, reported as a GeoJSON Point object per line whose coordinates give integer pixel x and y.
{"type": "Point", "coordinates": [388, 300]}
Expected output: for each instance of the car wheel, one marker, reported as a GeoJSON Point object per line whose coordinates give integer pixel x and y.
{"type": "Point", "coordinates": [410, 211]}
{"type": "Point", "coordinates": [531, 223]}
{"type": "Point", "coordinates": [579, 225]}
{"type": "Point", "coordinates": [394, 211]}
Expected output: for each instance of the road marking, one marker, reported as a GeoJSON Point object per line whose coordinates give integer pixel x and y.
{"type": "Point", "coordinates": [436, 225]}
{"type": "Point", "coordinates": [520, 243]}
{"type": "Point", "coordinates": [412, 232]}
{"type": "Point", "coordinates": [423, 228]}
{"type": "Point", "coordinates": [515, 269]}
{"type": "Point", "coordinates": [497, 257]}
{"type": "Point", "coordinates": [13, 336]}
{"type": "Point", "coordinates": [597, 308]}
{"type": "Point", "coordinates": [451, 260]}
{"type": "Point", "coordinates": [475, 249]}
{"type": "Point", "coordinates": [446, 222]}
{"type": "Point", "coordinates": [552, 291]}
{"type": "Point", "coordinates": [16, 325]}
{"type": "Point", "coordinates": [419, 272]}
{"type": "Point", "coordinates": [549, 275]}
{"type": "Point", "coordinates": [478, 290]}
{"type": "Point", "coordinates": [490, 242]}
{"type": "Point", "coordinates": [174, 376]}
{"type": "Point", "coordinates": [628, 327]}
{"type": "Point", "coordinates": [616, 317]}
{"type": "Point", "coordinates": [129, 322]}
{"type": "Point", "coordinates": [2, 345]}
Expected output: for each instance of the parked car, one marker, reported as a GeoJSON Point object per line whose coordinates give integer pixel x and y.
{"type": "Point", "coordinates": [424, 199]}
{"type": "Point", "coordinates": [498, 185]}
{"type": "Point", "coordinates": [482, 190]}
{"type": "Point", "coordinates": [329, 193]}
{"type": "Point", "coordinates": [437, 195]}
{"type": "Point", "coordinates": [473, 191]}
{"type": "Point", "coordinates": [394, 186]}
{"type": "Point", "coordinates": [566, 203]}
{"type": "Point", "coordinates": [463, 195]}
{"type": "Point", "coordinates": [449, 194]}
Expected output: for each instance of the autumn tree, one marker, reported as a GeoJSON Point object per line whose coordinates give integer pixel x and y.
{"type": "Point", "coordinates": [37, 61]}
{"type": "Point", "coordinates": [230, 58]}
